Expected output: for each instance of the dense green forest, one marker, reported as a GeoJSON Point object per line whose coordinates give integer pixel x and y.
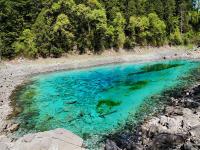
{"type": "Point", "coordinates": [49, 28]}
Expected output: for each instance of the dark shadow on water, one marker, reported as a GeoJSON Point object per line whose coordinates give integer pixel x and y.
{"type": "Point", "coordinates": [137, 85]}
{"type": "Point", "coordinates": [155, 67]}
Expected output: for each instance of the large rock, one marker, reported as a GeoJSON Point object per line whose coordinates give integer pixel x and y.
{"type": "Point", "coordinates": [58, 139]}
{"type": "Point", "coordinates": [4, 146]}
{"type": "Point", "coordinates": [174, 124]}
{"type": "Point", "coordinates": [124, 140]}
{"type": "Point", "coordinates": [173, 111]}
{"type": "Point", "coordinates": [110, 145]}
{"type": "Point", "coordinates": [166, 141]}
{"type": "Point", "coordinates": [195, 131]}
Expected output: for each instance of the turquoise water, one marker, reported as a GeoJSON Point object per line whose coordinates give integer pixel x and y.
{"type": "Point", "coordinates": [97, 100]}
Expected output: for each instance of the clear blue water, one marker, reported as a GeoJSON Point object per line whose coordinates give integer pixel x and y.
{"type": "Point", "coordinates": [96, 100]}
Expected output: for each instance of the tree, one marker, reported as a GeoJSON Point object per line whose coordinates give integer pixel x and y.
{"type": "Point", "coordinates": [63, 37]}
{"type": "Point", "coordinates": [155, 6]}
{"type": "Point", "coordinates": [44, 33]}
{"type": "Point", "coordinates": [131, 33]}
{"type": "Point", "coordinates": [26, 44]}
{"type": "Point", "coordinates": [142, 28]}
{"type": "Point", "coordinates": [59, 26]}
{"type": "Point", "coordinates": [15, 16]}
{"type": "Point", "coordinates": [157, 29]}
{"type": "Point", "coordinates": [119, 35]}
{"type": "Point", "coordinates": [169, 15]}
{"type": "Point", "coordinates": [175, 38]}
{"type": "Point", "coordinates": [98, 23]}
{"type": "Point", "coordinates": [195, 20]}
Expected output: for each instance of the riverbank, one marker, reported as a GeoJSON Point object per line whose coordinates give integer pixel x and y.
{"type": "Point", "coordinates": [16, 72]}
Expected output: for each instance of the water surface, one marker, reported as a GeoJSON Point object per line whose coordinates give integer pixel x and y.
{"type": "Point", "coordinates": [96, 100]}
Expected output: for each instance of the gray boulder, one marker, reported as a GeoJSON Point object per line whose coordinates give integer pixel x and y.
{"type": "Point", "coordinates": [59, 139]}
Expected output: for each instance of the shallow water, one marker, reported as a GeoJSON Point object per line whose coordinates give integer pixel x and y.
{"type": "Point", "coordinates": [97, 100]}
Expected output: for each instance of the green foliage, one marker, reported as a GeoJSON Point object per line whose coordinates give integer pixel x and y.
{"type": "Point", "coordinates": [176, 38]}
{"type": "Point", "coordinates": [131, 28]}
{"type": "Point", "coordinates": [15, 16]}
{"type": "Point", "coordinates": [195, 20]}
{"type": "Point", "coordinates": [61, 22]}
{"type": "Point", "coordinates": [26, 44]}
{"type": "Point", "coordinates": [63, 37]}
{"type": "Point", "coordinates": [142, 30]}
{"type": "Point", "coordinates": [44, 34]}
{"type": "Point", "coordinates": [157, 30]}
{"type": "Point", "coordinates": [119, 35]}
{"type": "Point", "coordinates": [109, 36]}
{"type": "Point", "coordinates": [147, 30]}
{"type": "Point", "coordinates": [56, 52]}
{"type": "Point", "coordinates": [57, 27]}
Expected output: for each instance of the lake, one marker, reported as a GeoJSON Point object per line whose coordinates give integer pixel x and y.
{"type": "Point", "coordinates": [94, 101]}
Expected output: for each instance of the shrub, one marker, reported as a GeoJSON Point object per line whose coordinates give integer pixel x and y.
{"type": "Point", "coordinates": [56, 52]}
{"type": "Point", "coordinates": [26, 44]}
{"type": "Point", "coordinates": [175, 38]}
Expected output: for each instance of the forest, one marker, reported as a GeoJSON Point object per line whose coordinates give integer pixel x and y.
{"type": "Point", "coordinates": [50, 28]}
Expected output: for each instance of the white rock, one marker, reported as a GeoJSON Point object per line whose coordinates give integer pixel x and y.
{"type": "Point", "coordinates": [13, 127]}
{"type": "Point", "coordinates": [59, 139]}
{"type": "Point", "coordinates": [4, 146]}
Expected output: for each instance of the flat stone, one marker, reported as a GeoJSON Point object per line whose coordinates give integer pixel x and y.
{"type": "Point", "coordinates": [4, 146]}
{"type": "Point", "coordinates": [58, 139]}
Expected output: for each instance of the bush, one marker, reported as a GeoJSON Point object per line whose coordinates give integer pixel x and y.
{"type": "Point", "coordinates": [175, 38]}
{"type": "Point", "coordinates": [26, 44]}
{"type": "Point", "coordinates": [56, 52]}
{"type": "Point", "coordinates": [119, 35]}
{"type": "Point", "coordinates": [187, 38]}
{"type": "Point", "coordinates": [129, 43]}
{"type": "Point", "coordinates": [196, 39]}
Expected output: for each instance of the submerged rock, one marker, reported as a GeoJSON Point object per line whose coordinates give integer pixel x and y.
{"type": "Point", "coordinates": [71, 102]}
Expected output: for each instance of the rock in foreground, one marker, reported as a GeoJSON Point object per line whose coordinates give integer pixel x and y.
{"type": "Point", "coordinates": [58, 139]}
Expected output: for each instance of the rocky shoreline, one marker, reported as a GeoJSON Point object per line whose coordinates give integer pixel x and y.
{"type": "Point", "coordinates": [176, 127]}
{"type": "Point", "coordinates": [15, 74]}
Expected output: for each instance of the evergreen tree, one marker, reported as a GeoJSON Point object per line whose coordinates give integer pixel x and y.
{"type": "Point", "coordinates": [50, 28]}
